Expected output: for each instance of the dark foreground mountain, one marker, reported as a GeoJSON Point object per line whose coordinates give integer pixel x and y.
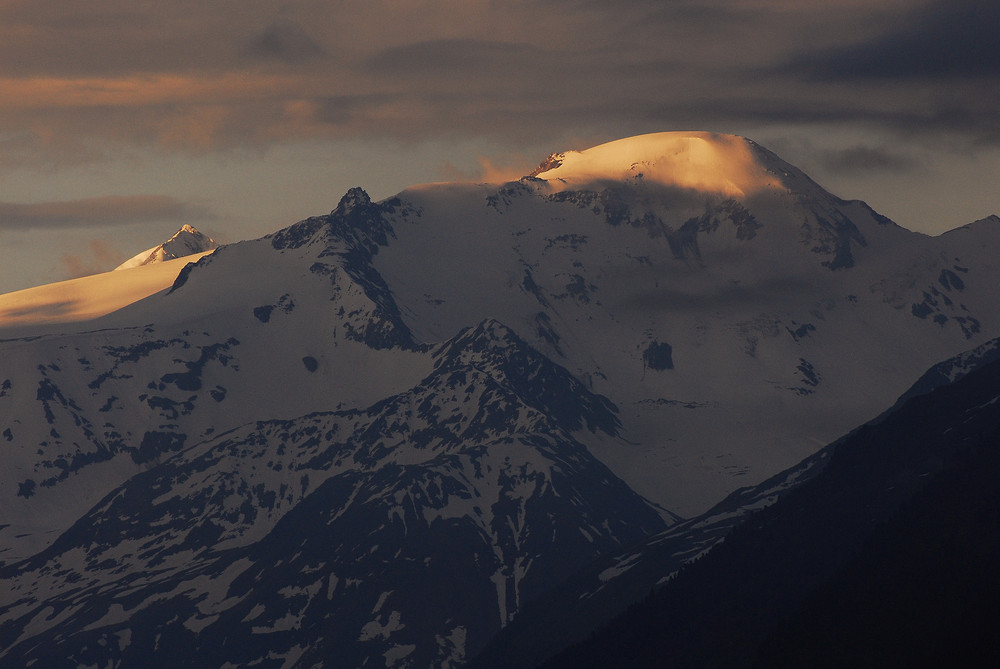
{"type": "Point", "coordinates": [376, 436]}
{"type": "Point", "coordinates": [590, 599]}
{"type": "Point", "coordinates": [885, 558]}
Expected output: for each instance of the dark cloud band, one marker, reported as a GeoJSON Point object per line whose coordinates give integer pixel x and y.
{"type": "Point", "coordinates": [512, 72]}
{"type": "Point", "coordinates": [945, 40]}
{"type": "Point", "coordinates": [99, 212]}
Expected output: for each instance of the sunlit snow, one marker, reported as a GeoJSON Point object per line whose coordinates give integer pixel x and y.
{"type": "Point", "coordinates": [701, 161]}
{"type": "Point", "coordinates": [88, 297]}
{"type": "Point", "coordinates": [185, 242]}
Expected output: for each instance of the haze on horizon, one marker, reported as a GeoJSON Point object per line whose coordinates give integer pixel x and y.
{"type": "Point", "coordinates": [122, 121]}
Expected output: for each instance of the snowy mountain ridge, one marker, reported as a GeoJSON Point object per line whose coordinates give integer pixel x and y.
{"type": "Point", "coordinates": [62, 306]}
{"type": "Point", "coordinates": [185, 242]}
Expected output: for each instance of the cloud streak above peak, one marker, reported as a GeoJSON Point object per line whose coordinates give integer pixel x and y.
{"type": "Point", "coordinates": [107, 211]}
{"type": "Point", "coordinates": [189, 76]}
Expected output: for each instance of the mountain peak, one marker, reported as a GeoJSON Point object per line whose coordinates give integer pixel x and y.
{"type": "Point", "coordinates": [992, 219]}
{"type": "Point", "coordinates": [186, 241]}
{"type": "Point", "coordinates": [353, 198]}
{"type": "Point", "coordinates": [727, 164]}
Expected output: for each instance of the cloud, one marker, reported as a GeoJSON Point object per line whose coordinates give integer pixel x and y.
{"type": "Point", "coordinates": [865, 159]}
{"type": "Point", "coordinates": [489, 170]}
{"type": "Point", "coordinates": [116, 38]}
{"type": "Point", "coordinates": [193, 77]}
{"type": "Point", "coordinates": [943, 40]}
{"type": "Point", "coordinates": [447, 58]}
{"type": "Point", "coordinates": [344, 109]}
{"type": "Point", "coordinates": [135, 91]}
{"type": "Point", "coordinates": [99, 257]}
{"type": "Point", "coordinates": [98, 212]}
{"type": "Point", "coordinates": [284, 42]}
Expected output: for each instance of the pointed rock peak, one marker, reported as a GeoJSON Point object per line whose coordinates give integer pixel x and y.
{"type": "Point", "coordinates": [186, 241]}
{"type": "Point", "coordinates": [353, 198]}
{"type": "Point", "coordinates": [488, 340]}
{"type": "Point", "coordinates": [487, 335]}
{"type": "Point", "coordinates": [552, 162]}
{"type": "Point", "coordinates": [190, 237]}
{"type": "Point", "coordinates": [494, 329]}
{"type": "Point", "coordinates": [494, 349]}
{"type": "Point", "coordinates": [703, 161]}
{"type": "Point", "coordinates": [356, 221]}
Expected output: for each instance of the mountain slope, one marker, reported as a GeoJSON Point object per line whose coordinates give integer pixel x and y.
{"type": "Point", "coordinates": [922, 477]}
{"type": "Point", "coordinates": [86, 410]}
{"type": "Point", "coordinates": [589, 600]}
{"type": "Point", "coordinates": [60, 306]}
{"type": "Point", "coordinates": [387, 503]}
{"type": "Point", "coordinates": [926, 582]}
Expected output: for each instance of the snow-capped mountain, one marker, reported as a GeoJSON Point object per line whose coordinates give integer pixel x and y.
{"type": "Point", "coordinates": [704, 314]}
{"type": "Point", "coordinates": [485, 385]}
{"type": "Point", "coordinates": [185, 242]}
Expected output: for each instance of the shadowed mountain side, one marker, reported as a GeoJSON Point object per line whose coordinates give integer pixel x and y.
{"type": "Point", "coordinates": [379, 507]}
{"type": "Point", "coordinates": [882, 491]}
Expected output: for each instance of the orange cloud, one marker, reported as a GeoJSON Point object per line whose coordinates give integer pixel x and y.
{"type": "Point", "coordinates": [501, 173]}
{"type": "Point", "coordinates": [100, 257]}
{"type": "Point", "coordinates": [489, 170]}
{"type": "Point", "coordinates": [137, 90]}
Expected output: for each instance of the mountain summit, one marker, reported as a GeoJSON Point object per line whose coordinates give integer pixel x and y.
{"type": "Point", "coordinates": [702, 161]}
{"type": "Point", "coordinates": [186, 241]}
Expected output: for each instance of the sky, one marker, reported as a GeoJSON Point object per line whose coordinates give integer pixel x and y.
{"type": "Point", "coordinates": [121, 120]}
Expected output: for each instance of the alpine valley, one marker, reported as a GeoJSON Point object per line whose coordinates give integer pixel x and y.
{"type": "Point", "coordinates": [379, 437]}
